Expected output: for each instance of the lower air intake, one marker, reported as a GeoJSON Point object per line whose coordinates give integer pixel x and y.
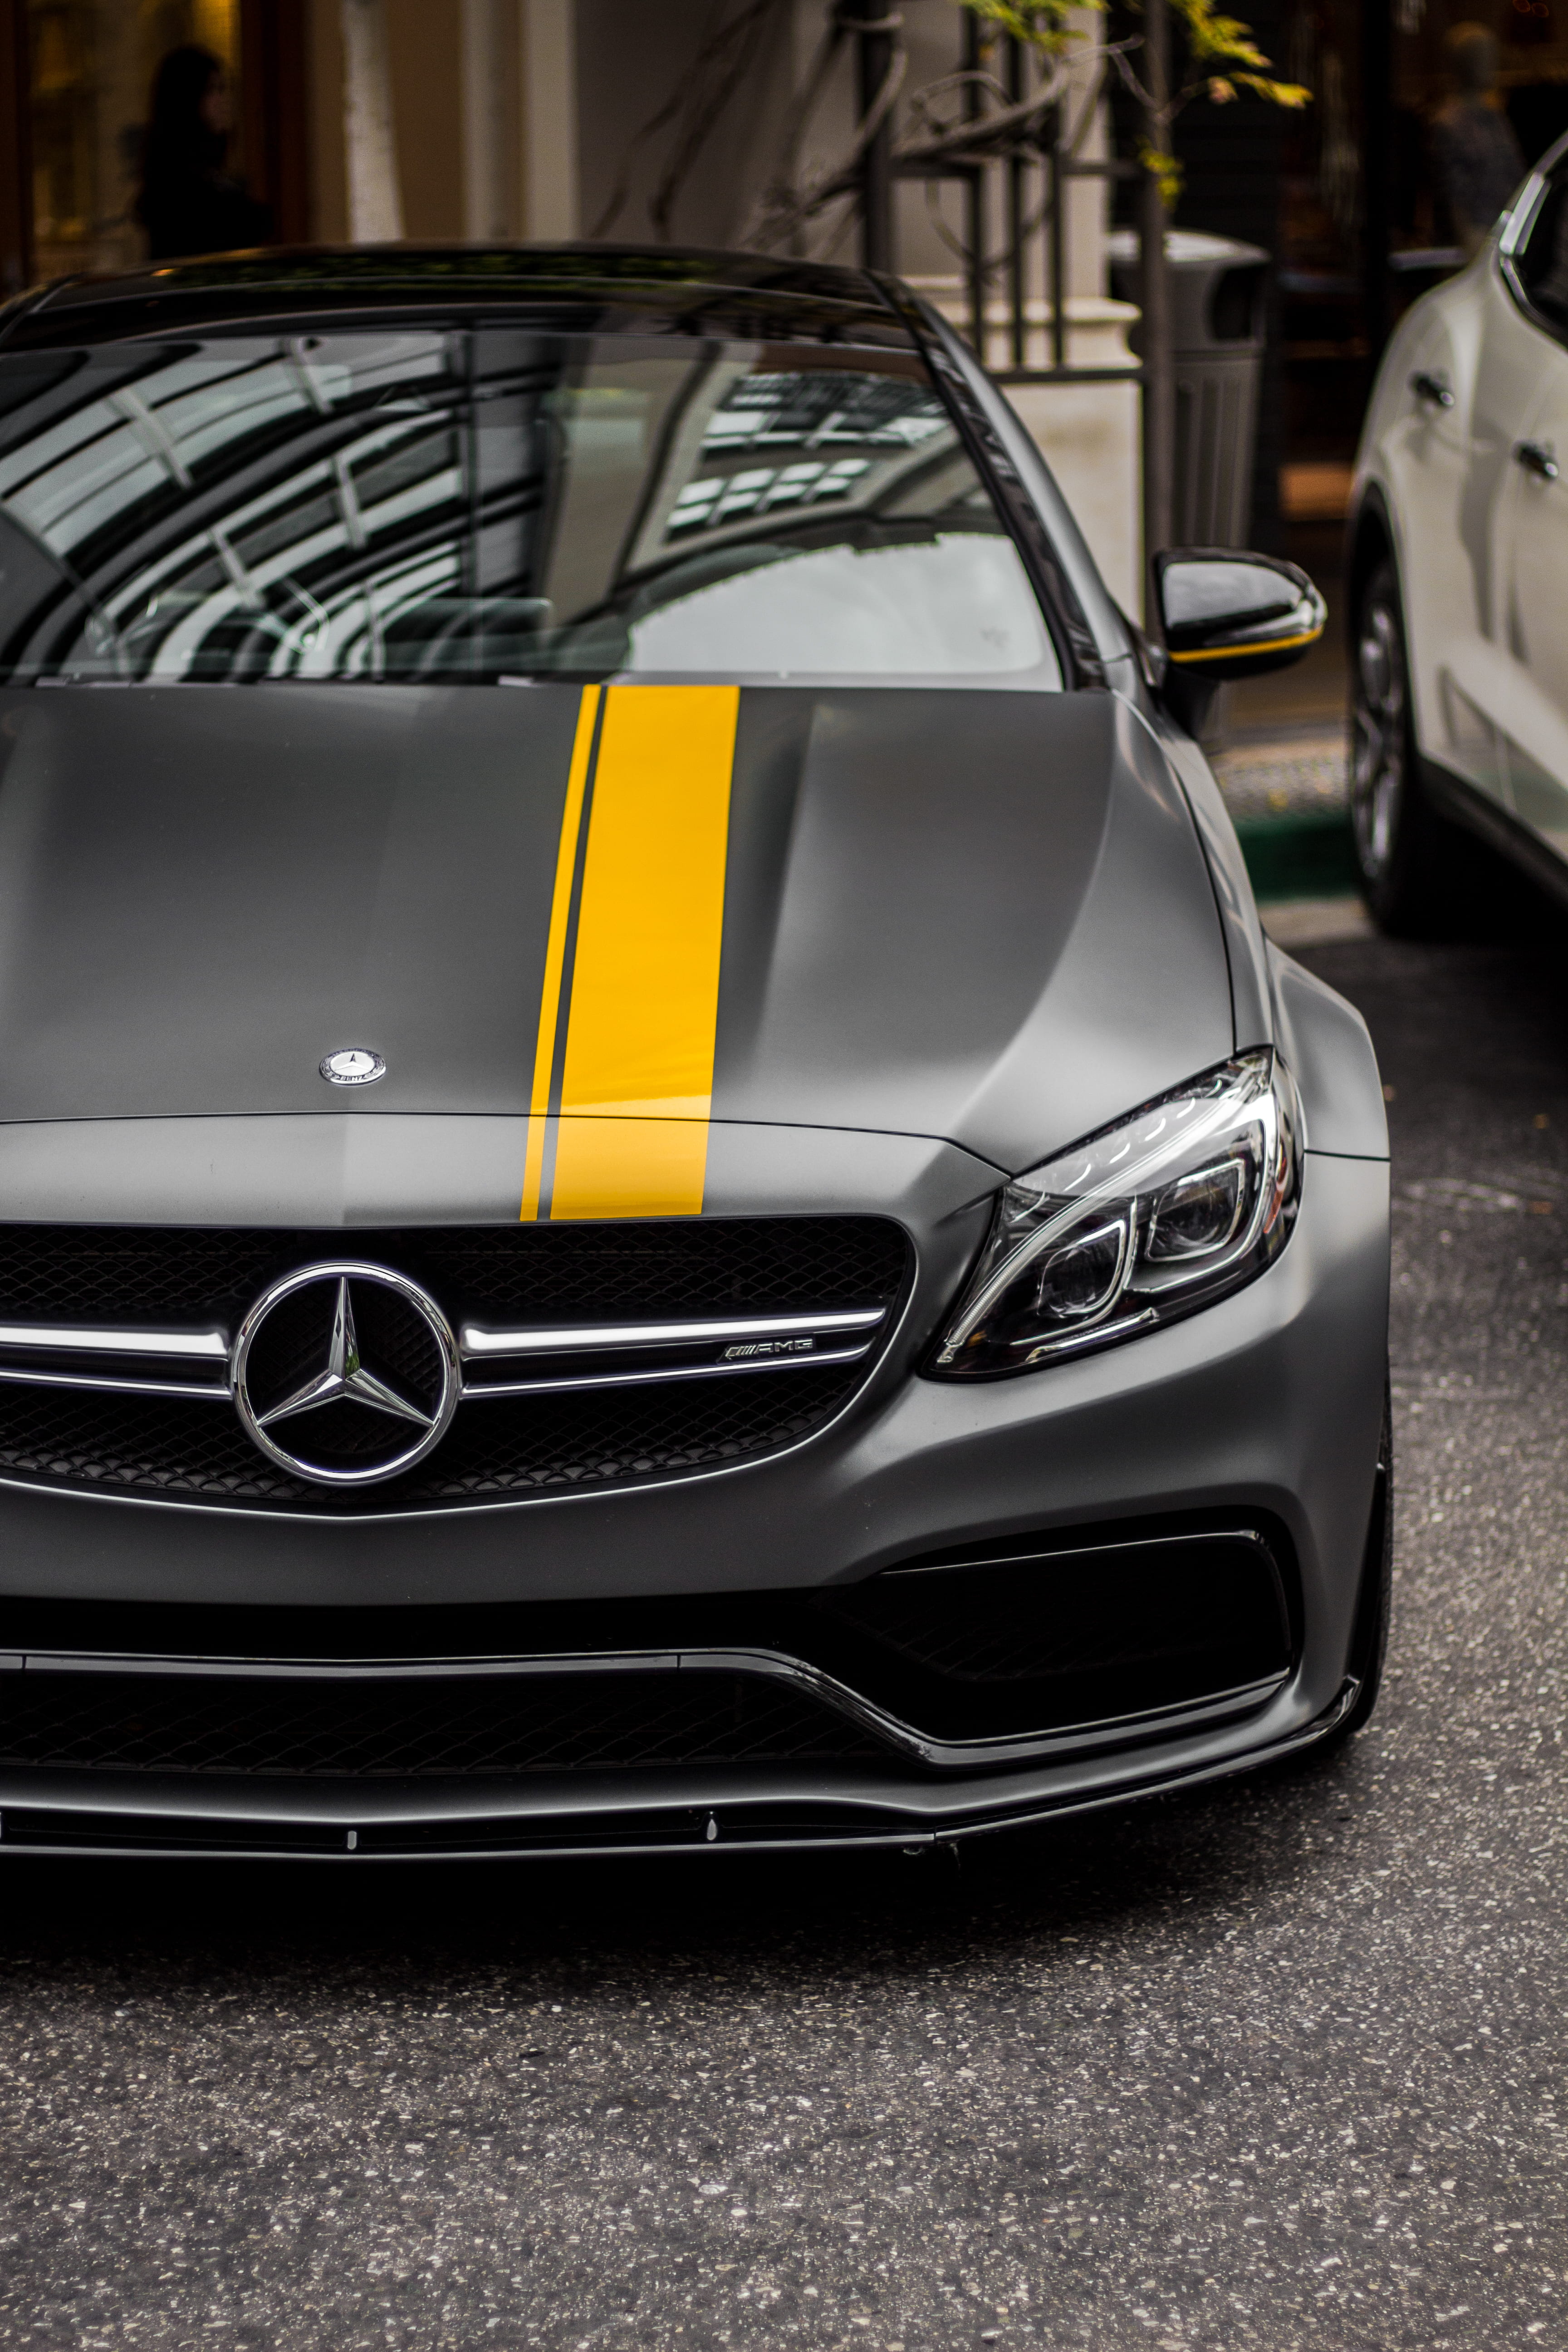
{"type": "Point", "coordinates": [460, 1727]}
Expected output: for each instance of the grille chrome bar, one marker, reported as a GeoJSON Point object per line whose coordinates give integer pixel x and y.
{"type": "Point", "coordinates": [112, 1346]}
{"type": "Point", "coordinates": [118, 1383]}
{"type": "Point", "coordinates": [625, 1355]}
{"type": "Point", "coordinates": [546, 1386]}
{"type": "Point", "coordinates": [729, 1346]}
{"type": "Point", "coordinates": [475, 1339]}
{"type": "Point", "coordinates": [86, 1340]}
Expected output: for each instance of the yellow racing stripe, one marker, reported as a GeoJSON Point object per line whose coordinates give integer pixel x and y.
{"type": "Point", "coordinates": [555, 951]}
{"type": "Point", "coordinates": [638, 1081]}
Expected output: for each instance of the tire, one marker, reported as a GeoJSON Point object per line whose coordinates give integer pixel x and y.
{"type": "Point", "coordinates": [1403, 851]}
{"type": "Point", "coordinates": [1369, 1636]}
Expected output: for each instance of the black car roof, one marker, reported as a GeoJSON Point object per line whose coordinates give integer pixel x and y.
{"type": "Point", "coordinates": [655, 290]}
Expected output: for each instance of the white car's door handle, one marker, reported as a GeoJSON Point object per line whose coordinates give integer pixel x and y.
{"type": "Point", "coordinates": [1435, 388]}
{"type": "Point", "coordinates": [1538, 457]}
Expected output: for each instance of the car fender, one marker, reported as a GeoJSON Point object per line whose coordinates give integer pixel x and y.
{"type": "Point", "coordinates": [1322, 1039]}
{"type": "Point", "coordinates": [1245, 948]}
{"type": "Point", "coordinates": [1328, 1049]}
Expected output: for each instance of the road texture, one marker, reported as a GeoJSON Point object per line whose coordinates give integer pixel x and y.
{"type": "Point", "coordinates": [1276, 2066]}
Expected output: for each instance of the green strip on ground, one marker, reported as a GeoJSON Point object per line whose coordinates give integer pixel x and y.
{"type": "Point", "coordinates": [1306, 856]}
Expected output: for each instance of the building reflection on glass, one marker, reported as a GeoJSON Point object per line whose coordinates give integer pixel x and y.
{"type": "Point", "coordinates": [449, 504]}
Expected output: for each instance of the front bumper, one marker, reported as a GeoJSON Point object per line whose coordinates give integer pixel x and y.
{"type": "Point", "coordinates": [1267, 1407]}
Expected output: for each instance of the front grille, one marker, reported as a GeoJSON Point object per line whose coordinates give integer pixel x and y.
{"type": "Point", "coordinates": [465, 1728]}
{"type": "Point", "coordinates": [497, 1447]}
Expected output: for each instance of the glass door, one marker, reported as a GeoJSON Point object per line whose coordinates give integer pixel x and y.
{"type": "Point", "coordinates": [90, 69]}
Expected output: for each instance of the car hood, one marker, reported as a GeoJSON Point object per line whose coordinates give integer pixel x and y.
{"type": "Point", "coordinates": [624, 912]}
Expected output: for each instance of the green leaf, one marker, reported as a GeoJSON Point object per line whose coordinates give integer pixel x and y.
{"type": "Point", "coordinates": [1212, 40]}
{"type": "Point", "coordinates": [1165, 168]}
{"type": "Point", "coordinates": [1045, 24]}
{"type": "Point", "coordinates": [1278, 93]}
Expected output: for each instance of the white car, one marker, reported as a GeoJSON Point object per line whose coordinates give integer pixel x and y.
{"type": "Point", "coordinates": [1458, 571]}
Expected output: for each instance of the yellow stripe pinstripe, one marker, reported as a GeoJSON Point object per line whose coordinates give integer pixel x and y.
{"type": "Point", "coordinates": [555, 951]}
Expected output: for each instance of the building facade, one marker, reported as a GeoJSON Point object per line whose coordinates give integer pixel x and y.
{"type": "Point", "coordinates": [364, 121]}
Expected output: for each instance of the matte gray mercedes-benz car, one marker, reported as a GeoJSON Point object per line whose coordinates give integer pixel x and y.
{"type": "Point", "coordinates": [656, 1190]}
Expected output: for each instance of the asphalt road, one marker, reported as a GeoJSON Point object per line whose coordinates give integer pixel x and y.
{"type": "Point", "coordinates": [1279, 2066]}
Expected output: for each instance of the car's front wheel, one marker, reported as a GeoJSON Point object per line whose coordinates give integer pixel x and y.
{"type": "Point", "coordinates": [1401, 846]}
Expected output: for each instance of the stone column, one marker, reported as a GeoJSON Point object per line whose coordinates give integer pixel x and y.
{"type": "Point", "coordinates": [550, 194]}
{"type": "Point", "coordinates": [370, 141]}
{"type": "Point", "coordinates": [490, 68]}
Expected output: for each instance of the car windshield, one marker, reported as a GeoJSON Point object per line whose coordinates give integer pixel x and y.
{"type": "Point", "coordinates": [411, 505]}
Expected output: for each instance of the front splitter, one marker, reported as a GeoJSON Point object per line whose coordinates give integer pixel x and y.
{"type": "Point", "coordinates": [50, 1824]}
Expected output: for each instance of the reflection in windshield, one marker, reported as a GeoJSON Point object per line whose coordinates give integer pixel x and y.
{"type": "Point", "coordinates": [444, 505]}
{"type": "Point", "coordinates": [947, 604]}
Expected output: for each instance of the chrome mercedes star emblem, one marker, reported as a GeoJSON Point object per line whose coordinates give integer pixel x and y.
{"type": "Point", "coordinates": [300, 1366]}
{"type": "Point", "coordinates": [353, 1066]}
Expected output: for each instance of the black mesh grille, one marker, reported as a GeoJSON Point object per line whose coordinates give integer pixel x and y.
{"type": "Point", "coordinates": [524, 1724]}
{"type": "Point", "coordinates": [507, 1446]}
{"type": "Point", "coordinates": [495, 1448]}
{"type": "Point", "coordinates": [696, 1266]}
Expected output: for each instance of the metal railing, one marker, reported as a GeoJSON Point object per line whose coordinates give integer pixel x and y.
{"type": "Point", "coordinates": [1037, 167]}
{"type": "Point", "coordinates": [1056, 167]}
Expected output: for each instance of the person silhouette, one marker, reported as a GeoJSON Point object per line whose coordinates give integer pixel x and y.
{"type": "Point", "coordinates": [1473, 144]}
{"type": "Point", "coordinates": [188, 205]}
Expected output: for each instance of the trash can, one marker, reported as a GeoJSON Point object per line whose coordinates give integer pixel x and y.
{"type": "Point", "coordinates": [1217, 333]}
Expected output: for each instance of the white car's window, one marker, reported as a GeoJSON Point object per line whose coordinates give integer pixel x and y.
{"type": "Point", "coordinates": [418, 505]}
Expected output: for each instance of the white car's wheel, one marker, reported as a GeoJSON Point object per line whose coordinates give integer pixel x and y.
{"type": "Point", "coordinates": [1400, 845]}
{"type": "Point", "coordinates": [1378, 719]}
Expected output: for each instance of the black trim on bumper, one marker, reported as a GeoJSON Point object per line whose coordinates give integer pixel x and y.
{"type": "Point", "coordinates": [982, 1658]}
{"type": "Point", "coordinates": [739, 1827]}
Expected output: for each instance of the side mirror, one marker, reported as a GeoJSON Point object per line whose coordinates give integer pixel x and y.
{"type": "Point", "coordinates": [1228, 614]}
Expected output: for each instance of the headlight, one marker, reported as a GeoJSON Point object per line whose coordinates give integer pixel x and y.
{"type": "Point", "coordinates": [1137, 1225]}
